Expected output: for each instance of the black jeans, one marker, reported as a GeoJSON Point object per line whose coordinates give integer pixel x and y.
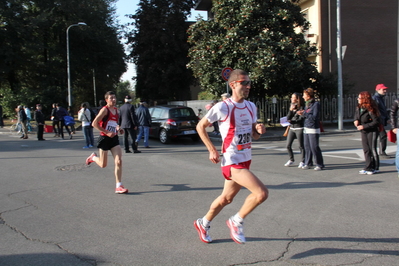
{"type": "Point", "coordinates": [369, 143]}
{"type": "Point", "coordinates": [62, 125]}
{"type": "Point", "coordinates": [56, 127]}
{"type": "Point", "coordinates": [383, 141]}
{"type": "Point", "coordinates": [40, 129]}
{"type": "Point", "coordinates": [295, 134]}
{"type": "Point", "coordinates": [312, 150]}
{"type": "Point", "coordinates": [133, 136]}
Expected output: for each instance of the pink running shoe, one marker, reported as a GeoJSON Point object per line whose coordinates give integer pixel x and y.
{"type": "Point", "coordinates": [202, 231]}
{"type": "Point", "coordinates": [89, 159]}
{"type": "Point", "coordinates": [121, 190]}
{"type": "Point", "coordinates": [236, 231]}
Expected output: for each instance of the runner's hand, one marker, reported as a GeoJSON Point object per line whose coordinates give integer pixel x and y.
{"type": "Point", "coordinates": [214, 156]}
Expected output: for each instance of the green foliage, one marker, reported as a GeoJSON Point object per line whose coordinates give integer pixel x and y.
{"type": "Point", "coordinates": [259, 36]}
{"type": "Point", "coordinates": [159, 49]}
{"type": "Point", "coordinates": [205, 95]}
{"type": "Point", "coordinates": [33, 62]}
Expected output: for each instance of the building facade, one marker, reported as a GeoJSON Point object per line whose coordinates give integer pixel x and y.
{"type": "Point", "coordinates": [369, 35]}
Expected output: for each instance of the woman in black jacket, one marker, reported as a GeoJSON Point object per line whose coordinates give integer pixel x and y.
{"type": "Point", "coordinates": [311, 131]}
{"type": "Point", "coordinates": [296, 129]}
{"type": "Point", "coordinates": [366, 121]}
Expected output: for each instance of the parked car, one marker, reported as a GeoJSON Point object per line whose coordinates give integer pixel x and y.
{"type": "Point", "coordinates": [172, 121]}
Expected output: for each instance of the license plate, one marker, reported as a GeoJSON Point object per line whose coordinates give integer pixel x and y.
{"type": "Point", "coordinates": [190, 132]}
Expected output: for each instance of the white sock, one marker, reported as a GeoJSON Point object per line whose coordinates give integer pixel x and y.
{"type": "Point", "coordinates": [205, 222]}
{"type": "Point", "coordinates": [118, 184]}
{"type": "Point", "coordinates": [237, 219]}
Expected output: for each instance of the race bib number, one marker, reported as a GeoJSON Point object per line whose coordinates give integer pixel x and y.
{"type": "Point", "coordinates": [111, 126]}
{"type": "Point", "coordinates": [244, 141]}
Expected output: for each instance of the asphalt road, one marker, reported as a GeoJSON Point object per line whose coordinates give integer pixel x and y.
{"type": "Point", "coordinates": [54, 210]}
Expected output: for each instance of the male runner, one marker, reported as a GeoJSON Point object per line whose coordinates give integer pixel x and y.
{"type": "Point", "coordinates": [237, 123]}
{"type": "Point", "coordinates": [107, 123]}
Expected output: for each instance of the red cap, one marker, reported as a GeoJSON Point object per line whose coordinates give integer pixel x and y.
{"type": "Point", "coordinates": [380, 87]}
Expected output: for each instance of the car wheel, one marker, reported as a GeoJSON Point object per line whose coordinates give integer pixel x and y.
{"type": "Point", "coordinates": [163, 137]}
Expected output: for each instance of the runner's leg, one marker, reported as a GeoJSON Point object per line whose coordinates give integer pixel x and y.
{"type": "Point", "coordinates": [259, 192]}
{"type": "Point", "coordinates": [230, 190]}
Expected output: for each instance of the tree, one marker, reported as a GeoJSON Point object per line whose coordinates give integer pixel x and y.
{"type": "Point", "coordinates": [33, 61]}
{"type": "Point", "coordinates": [263, 37]}
{"type": "Point", "coordinates": [159, 49]}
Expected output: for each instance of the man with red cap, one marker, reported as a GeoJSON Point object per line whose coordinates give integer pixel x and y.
{"type": "Point", "coordinates": [381, 91]}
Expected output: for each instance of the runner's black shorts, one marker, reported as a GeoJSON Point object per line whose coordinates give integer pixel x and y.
{"type": "Point", "coordinates": [106, 143]}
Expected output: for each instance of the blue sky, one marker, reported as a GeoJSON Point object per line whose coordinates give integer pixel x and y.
{"type": "Point", "coordinates": [124, 7]}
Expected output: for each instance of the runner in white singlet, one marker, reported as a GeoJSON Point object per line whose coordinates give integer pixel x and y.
{"type": "Point", "coordinates": [238, 127]}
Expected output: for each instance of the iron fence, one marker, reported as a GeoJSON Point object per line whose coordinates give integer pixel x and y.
{"type": "Point", "coordinates": [270, 110]}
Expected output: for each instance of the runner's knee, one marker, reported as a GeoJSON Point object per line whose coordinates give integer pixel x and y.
{"type": "Point", "coordinates": [262, 195]}
{"type": "Point", "coordinates": [225, 200]}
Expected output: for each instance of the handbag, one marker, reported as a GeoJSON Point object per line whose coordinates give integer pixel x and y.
{"type": "Point", "coordinates": [69, 121]}
{"type": "Point", "coordinates": [391, 136]}
{"type": "Point", "coordinates": [321, 127]}
{"type": "Point", "coordinates": [286, 131]}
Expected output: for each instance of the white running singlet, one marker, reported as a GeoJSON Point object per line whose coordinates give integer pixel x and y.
{"type": "Point", "coordinates": [235, 125]}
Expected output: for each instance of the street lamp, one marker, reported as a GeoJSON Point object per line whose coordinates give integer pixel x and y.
{"type": "Point", "coordinates": [68, 65]}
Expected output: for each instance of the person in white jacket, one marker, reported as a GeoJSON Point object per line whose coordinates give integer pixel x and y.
{"type": "Point", "coordinates": [85, 116]}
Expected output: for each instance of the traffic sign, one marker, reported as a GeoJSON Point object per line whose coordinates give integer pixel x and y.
{"type": "Point", "coordinates": [226, 73]}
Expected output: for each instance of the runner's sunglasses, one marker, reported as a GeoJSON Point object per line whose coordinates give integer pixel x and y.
{"type": "Point", "coordinates": [244, 82]}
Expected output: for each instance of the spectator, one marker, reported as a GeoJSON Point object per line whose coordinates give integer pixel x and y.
{"type": "Point", "coordinates": [366, 121]}
{"type": "Point", "coordinates": [28, 118]}
{"type": "Point", "coordinates": [225, 96]}
{"type": "Point", "coordinates": [84, 115]}
{"type": "Point", "coordinates": [22, 119]}
{"type": "Point", "coordinates": [72, 114]}
{"type": "Point", "coordinates": [296, 129]}
{"type": "Point", "coordinates": [144, 121]}
{"type": "Point", "coordinates": [39, 118]}
{"type": "Point", "coordinates": [378, 97]}
{"type": "Point", "coordinates": [60, 113]}
{"type": "Point", "coordinates": [311, 131]}
{"type": "Point", "coordinates": [128, 121]}
{"type": "Point", "coordinates": [56, 122]}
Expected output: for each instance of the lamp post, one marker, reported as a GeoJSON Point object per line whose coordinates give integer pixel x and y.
{"type": "Point", "coordinates": [68, 65]}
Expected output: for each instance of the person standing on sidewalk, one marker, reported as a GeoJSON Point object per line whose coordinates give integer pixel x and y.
{"type": "Point", "coordinates": [238, 127]}
{"type": "Point", "coordinates": [107, 123]}
{"type": "Point", "coordinates": [296, 130]}
{"type": "Point", "coordinates": [311, 131]}
{"type": "Point", "coordinates": [128, 121]}
{"type": "Point", "coordinates": [84, 115]}
{"type": "Point", "coordinates": [144, 120]}
{"type": "Point", "coordinates": [39, 118]}
{"type": "Point", "coordinates": [60, 113]}
{"type": "Point", "coordinates": [367, 122]}
{"type": "Point", "coordinates": [22, 118]}
{"type": "Point", "coordinates": [379, 98]}
{"type": "Point", "coordinates": [56, 123]}
{"type": "Point", "coordinates": [394, 124]}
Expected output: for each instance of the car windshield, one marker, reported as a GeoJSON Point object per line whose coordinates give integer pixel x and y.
{"type": "Point", "coordinates": [181, 112]}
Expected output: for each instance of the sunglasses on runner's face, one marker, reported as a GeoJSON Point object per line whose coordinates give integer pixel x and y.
{"type": "Point", "coordinates": [244, 82]}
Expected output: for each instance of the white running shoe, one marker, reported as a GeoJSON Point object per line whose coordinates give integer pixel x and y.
{"type": "Point", "coordinates": [317, 168]}
{"type": "Point", "coordinates": [202, 231]}
{"type": "Point", "coordinates": [301, 164]}
{"type": "Point", "coordinates": [236, 231]}
{"type": "Point", "coordinates": [289, 163]}
{"type": "Point", "coordinates": [305, 167]}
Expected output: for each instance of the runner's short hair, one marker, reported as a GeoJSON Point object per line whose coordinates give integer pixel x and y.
{"type": "Point", "coordinates": [235, 75]}
{"type": "Point", "coordinates": [108, 93]}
